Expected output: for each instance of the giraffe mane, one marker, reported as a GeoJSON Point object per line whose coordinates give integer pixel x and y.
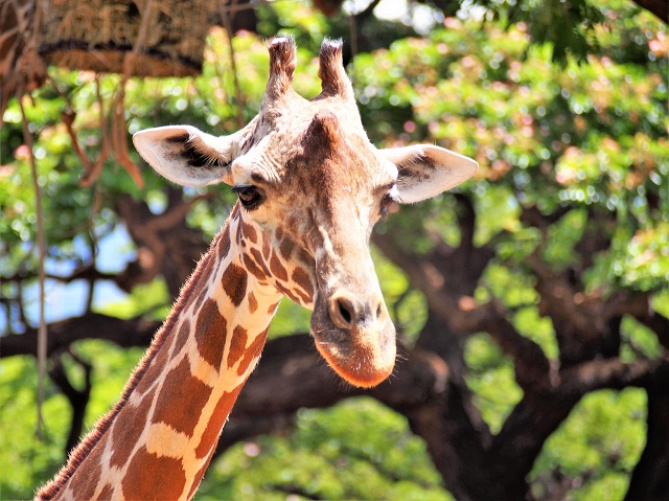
{"type": "Point", "coordinates": [92, 438]}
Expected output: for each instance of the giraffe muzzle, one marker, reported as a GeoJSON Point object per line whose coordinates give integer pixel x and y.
{"type": "Point", "coordinates": [356, 337]}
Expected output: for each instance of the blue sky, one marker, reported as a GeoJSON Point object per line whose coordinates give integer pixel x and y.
{"type": "Point", "coordinates": [68, 300]}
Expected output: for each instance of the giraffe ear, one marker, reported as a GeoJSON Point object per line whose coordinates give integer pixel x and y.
{"type": "Point", "coordinates": [185, 155]}
{"type": "Point", "coordinates": [425, 171]}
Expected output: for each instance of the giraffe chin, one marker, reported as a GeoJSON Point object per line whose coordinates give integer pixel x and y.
{"type": "Point", "coordinates": [354, 358]}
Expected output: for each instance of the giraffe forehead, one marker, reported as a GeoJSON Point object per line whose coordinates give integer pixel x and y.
{"type": "Point", "coordinates": [335, 159]}
{"type": "Point", "coordinates": [305, 133]}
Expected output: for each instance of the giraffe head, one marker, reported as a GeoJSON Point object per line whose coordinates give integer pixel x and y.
{"type": "Point", "coordinates": [311, 187]}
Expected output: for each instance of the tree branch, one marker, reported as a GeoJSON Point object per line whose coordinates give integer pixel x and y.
{"type": "Point", "coordinates": [125, 333]}
{"type": "Point", "coordinates": [530, 362]}
{"type": "Point", "coordinates": [649, 478]}
{"type": "Point", "coordinates": [165, 243]}
{"type": "Point", "coordinates": [612, 373]}
{"type": "Point", "coordinates": [78, 399]}
{"type": "Point", "coordinates": [658, 323]}
{"type": "Point", "coordinates": [532, 216]}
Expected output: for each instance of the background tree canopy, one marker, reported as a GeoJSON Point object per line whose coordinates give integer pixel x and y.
{"type": "Point", "coordinates": [531, 303]}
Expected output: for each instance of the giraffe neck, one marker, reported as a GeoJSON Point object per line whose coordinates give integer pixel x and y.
{"type": "Point", "coordinates": [158, 441]}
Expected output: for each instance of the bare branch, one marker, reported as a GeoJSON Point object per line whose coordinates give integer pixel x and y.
{"type": "Point", "coordinates": [530, 362]}
{"type": "Point", "coordinates": [612, 373]}
{"type": "Point", "coordinates": [125, 333]}
{"type": "Point", "coordinates": [467, 220]}
{"type": "Point", "coordinates": [532, 216]}
{"type": "Point", "coordinates": [78, 398]}
{"type": "Point", "coordinates": [658, 323]}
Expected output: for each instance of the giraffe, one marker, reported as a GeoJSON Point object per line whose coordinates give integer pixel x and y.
{"type": "Point", "coordinates": [310, 187]}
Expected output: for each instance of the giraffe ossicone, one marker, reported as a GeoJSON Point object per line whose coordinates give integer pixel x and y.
{"type": "Point", "coordinates": [311, 187]}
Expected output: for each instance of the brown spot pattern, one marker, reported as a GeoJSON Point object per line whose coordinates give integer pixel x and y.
{"type": "Point", "coordinates": [260, 260]}
{"type": "Point", "coordinates": [252, 268]}
{"type": "Point", "coordinates": [250, 233]}
{"type": "Point", "coordinates": [88, 473]}
{"type": "Point", "coordinates": [237, 344]}
{"type": "Point", "coordinates": [304, 257]}
{"type": "Point", "coordinates": [182, 336]}
{"type": "Point", "coordinates": [85, 483]}
{"type": "Point", "coordinates": [210, 333]}
{"type": "Point", "coordinates": [223, 243]}
{"type": "Point", "coordinates": [128, 427]}
{"type": "Point", "coordinates": [292, 224]}
{"type": "Point", "coordinates": [301, 278]}
{"type": "Point", "coordinates": [277, 268]}
{"type": "Point", "coordinates": [151, 477]}
{"type": "Point", "coordinates": [287, 292]}
{"type": "Point", "coordinates": [201, 279]}
{"type": "Point", "coordinates": [215, 424]}
{"type": "Point", "coordinates": [266, 248]}
{"type": "Point", "coordinates": [303, 296]}
{"type": "Point", "coordinates": [253, 303]}
{"type": "Point", "coordinates": [253, 352]}
{"type": "Point", "coordinates": [154, 370]}
{"type": "Point", "coordinates": [191, 395]}
{"type": "Point", "coordinates": [106, 493]}
{"type": "Point", "coordinates": [234, 283]}
{"type": "Point", "coordinates": [286, 248]}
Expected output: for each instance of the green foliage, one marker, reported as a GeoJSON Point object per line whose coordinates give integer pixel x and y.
{"type": "Point", "coordinates": [407, 306]}
{"type": "Point", "coordinates": [638, 341]}
{"type": "Point", "coordinates": [332, 454]}
{"type": "Point", "coordinates": [112, 368]}
{"type": "Point", "coordinates": [537, 328]}
{"type": "Point", "coordinates": [603, 457]}
{"type": "Point", "coordinates": [290, 318]}
{"type": "Point", "coordinates": [513, 288]}
{"type": "Point", "coordinates": [490, 377]}
{"type": "Point", "coordinates": [24, 461]}
{"type": "Point", "coordinates": [150, 298]}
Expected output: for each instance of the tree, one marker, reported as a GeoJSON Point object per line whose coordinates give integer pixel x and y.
{"type": "Point", "coordinates": [532, 303]}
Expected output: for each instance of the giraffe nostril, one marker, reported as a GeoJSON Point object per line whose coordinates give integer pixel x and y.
{"type": "Point", "coordinates": [344, 311]}
{"type": "Point", "coordinates": [348, 312]}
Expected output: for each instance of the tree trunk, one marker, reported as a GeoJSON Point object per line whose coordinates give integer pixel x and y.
{"type": "Point", "coordinates": [650, 479]}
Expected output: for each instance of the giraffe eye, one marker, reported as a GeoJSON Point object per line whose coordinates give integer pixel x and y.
{"type": "Point", "coordinates": [249, 196]}
{"type": "Point", "coordinates": [386, 202]}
